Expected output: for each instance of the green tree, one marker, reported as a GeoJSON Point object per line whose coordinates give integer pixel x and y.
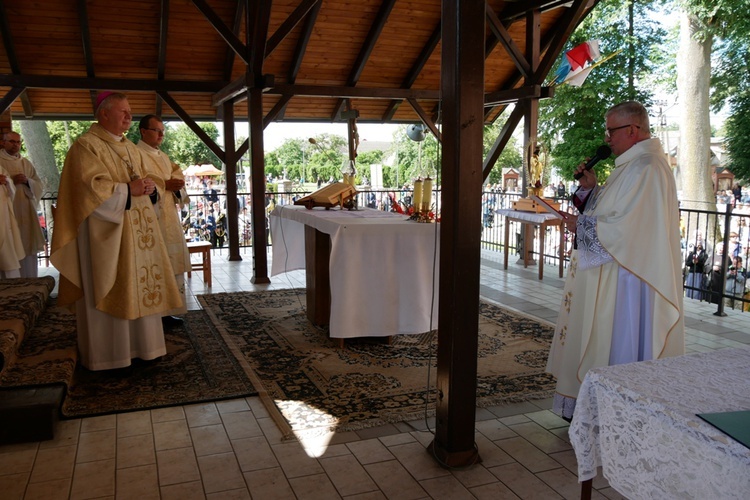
{"type": "Point", "coordinates": [732, 88]}
{"type": "Point", "coordinates": [509, 158]}
{"type": "Point", "coordinates": [184, 147]}
{"type": "Point", "coordinates": [572, 122]}
{"type": "Point", "coordinates": [705, 24]}
{"type": "Point", "coordinates": [63, 134]}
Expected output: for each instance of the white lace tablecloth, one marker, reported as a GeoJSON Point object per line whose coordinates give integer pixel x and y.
{"type": "Point", "coordinates": [638, 422]}
{"type": "Point", "coordinates": [383, 267]}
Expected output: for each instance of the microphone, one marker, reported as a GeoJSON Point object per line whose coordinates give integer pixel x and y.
{"type": "Point", "coordinates": [602, 153]}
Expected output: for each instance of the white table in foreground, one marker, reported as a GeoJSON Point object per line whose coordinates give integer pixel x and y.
{"type": "Point", "coordinates": [381, 267]}
{"type": "Point", "coordinates": [529, 220]}
{"type": "Point", "coordinates": [638, 422]}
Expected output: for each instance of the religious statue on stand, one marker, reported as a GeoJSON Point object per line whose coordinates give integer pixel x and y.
{"type": "Point", "coordinates": [536, 169]}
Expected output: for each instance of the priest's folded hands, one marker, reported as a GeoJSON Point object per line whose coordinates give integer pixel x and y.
{"type": "Point", "coordinates": [141, 187]}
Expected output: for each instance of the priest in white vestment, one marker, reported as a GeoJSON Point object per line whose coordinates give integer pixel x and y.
{"type": "Point", "coordinates": [11, 248]}
{"type": "Point", "coordinates": [622, 300]}
{"type": "Point", "coordinates": [29, 190]}
{"type": "Point", "coordinates": [170, 183]}
{"type": "Point", "coordinates": [108, 247]}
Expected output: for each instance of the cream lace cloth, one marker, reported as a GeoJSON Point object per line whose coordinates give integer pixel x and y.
{"type": "Point", "coordinates": [638, 422]}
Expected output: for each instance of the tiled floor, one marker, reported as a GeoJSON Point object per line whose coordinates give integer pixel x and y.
{"type": "Point", "coordinates": [232, 449]}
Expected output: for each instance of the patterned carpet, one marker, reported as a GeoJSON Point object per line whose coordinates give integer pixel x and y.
{"type": "Point", "coordinates": [310, 385]}
{"type": "Point", "coordinates": [198, 367]}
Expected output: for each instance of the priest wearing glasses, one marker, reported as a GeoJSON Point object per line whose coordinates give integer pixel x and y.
{"type": "Point", "coordinates": [621, 302]}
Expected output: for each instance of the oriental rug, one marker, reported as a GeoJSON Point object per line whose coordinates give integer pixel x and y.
{"type": "Point", "coordinates": [312, 386]}
{"type": "Point", "coordinates": [198, 367]}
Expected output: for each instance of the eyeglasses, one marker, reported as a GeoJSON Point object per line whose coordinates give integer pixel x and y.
{"type": "Point", "coordinates": [608, 131]}
{"type": "Point", "coordinates": [157, 130]}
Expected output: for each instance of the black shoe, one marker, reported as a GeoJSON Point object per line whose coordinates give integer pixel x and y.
{"type": "Point", "coordinates": [171, 321]}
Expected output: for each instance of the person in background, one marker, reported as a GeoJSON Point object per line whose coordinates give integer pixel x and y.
{"type": "Point", "coordinates": [735, 284]}
{"type": "Point", "coordinates": [170, 184]}
{"type": "Point", "coordinates": [695, 263]}
{"type": "Point", "coordinates": [11, 248]}
{"type": "Point", "coordinates": [620, 305]}
{"type": "Point", "coordinates": [26, 202]}
{"type": "Point", "coordinates": [108, 246]}
{"type": "Point", "coordinates": [561, 191]}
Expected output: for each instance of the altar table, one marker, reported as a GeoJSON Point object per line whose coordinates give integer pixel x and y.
{"type": "Point", "coordinates": [383, 268]}
{"type": "Point", "coordinates": [529, 220]}
{"type": "Point", "coordinates": [638, 422]}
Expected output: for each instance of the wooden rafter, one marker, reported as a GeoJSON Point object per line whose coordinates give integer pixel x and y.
{"type": "Point", "coordinates": [239, 15]}
{"type": "Point", "coordinates": [218, 24]}
{"type": "Point", "coordinates": [185, 117]}
{"type": "Point", "coordinates": [162, 57]}
{"type": "Point", "coordinates": [416, 69]}
{"type": "Point", "coordinates": [366, 50]}
{"type": "Point", "coordinates": [290, 23]}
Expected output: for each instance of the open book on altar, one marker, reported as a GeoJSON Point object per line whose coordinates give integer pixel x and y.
{"type": "Point", "coordinates": [548, 207]}
{"type": "Point", "coordinates": [328, 196]}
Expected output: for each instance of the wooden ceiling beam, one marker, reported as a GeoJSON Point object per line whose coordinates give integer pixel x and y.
{"type": "Point", "coordinates": [290, 23]}
{"type": "Point", "coordinates": [304, 41]}
{"type": "Point", "coordinates": [72, 83]}
{"type": "Point", "coordinates": [193, 125]}
{"type": "Point", "coordinates": [162, 54]}
{"type": "Point", "coordinates": [239, 15]}
{"type": "Point", "coordinates": [9, 98]}
{"type": "Point", "coordinates": [10, 52]}
{"type": "Point", "coordinates": [276, 110]}
{"type": "Point", "coordinates": [416, 69]}
{"type": "Point", "coordinates": [218, 24]}
{"type": "Point", "coordinates": [518, 10]}
{"type": "Point", "coordinates": [425, 119]}
{"type": "Point", "coordinates": [504, 97]}
{"type": "Point", "coordinates": [507, 41]}
{"type": "Point", "coordinates": [502, 139]}
{"type": "Point", "coordinates": [336, 91]}
{"type": "Point", "coordinates": [366, 50]}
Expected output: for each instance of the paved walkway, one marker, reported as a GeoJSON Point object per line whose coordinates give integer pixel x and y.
{"type": "Point", "coordinates": [232, 449]}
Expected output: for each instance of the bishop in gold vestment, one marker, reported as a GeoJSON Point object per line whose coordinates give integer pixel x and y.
{"type": "Point", "coordinates": [108, 246]}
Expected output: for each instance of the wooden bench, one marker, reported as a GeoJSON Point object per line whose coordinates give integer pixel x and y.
{"type": "Point", "coordinates": [204, 249]}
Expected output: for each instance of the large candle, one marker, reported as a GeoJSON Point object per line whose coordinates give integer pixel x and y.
{"type": "Point", "coordinates": [427, 195]}
{"type": "Point", "coordinates": [346, 179]}
{"type": "Point", "coordinates": [417, 198]}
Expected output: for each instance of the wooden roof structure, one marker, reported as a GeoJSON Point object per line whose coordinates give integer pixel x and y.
{"type": "Point", "coordinates": [382, 55]}
{"type": "Point", "coordinates": [452, 64]}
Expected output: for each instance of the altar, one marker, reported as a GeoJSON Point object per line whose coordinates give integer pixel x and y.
{"type": "Point", "coordinates": [380, 269]}
{"type": "Point", "coordinates": [639, 423]}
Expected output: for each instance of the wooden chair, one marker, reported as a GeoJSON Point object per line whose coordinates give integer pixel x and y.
{"type": "Point", "coordinates": [204, 249]}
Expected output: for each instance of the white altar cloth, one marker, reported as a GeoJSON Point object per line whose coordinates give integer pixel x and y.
{"type": "Point", "coordinates": [638, 422]}
{"type": "Point", "coordinates": [383, 281]}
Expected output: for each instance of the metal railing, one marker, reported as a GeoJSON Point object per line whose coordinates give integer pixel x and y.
{"type": "Point", "coordinates": [710, 228]}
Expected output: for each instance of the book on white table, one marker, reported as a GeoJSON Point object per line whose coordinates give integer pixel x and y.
{"type": "Point", "coordinates": [549, 208]}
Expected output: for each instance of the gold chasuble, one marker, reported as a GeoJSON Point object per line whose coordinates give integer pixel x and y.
{"type": "Point", "coordinates": [11, 247]}
{"type": "Point", "coordinates": [636, 219]}
{"type": "Point", "coordinates": [160, 168]}
{"type": "Point", "coordinates": [130, 270]}
{"type": "Point", "coordinates": [26, 202]}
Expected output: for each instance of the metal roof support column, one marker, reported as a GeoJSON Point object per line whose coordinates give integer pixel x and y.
{"type": "Point", "coordinates": [462, 87]}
